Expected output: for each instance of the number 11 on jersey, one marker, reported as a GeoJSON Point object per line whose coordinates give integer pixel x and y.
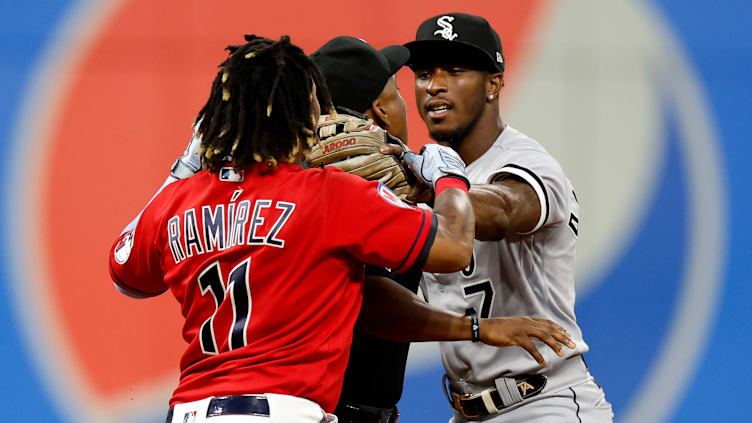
{"type": "Point", "coordinates": [210, 281]}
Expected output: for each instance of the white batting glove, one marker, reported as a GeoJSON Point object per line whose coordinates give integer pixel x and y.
{"type": "Point", "coordinates": [435, 162]}
{"type": "Point", "coordinates": [190, 162]}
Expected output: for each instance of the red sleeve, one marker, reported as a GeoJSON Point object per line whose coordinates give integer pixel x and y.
{"type": "Point", "coordinates": [370, 222]}
{"type": "Point", "coordinates": [134, 259]}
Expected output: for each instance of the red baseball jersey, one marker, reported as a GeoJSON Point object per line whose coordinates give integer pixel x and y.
{"type": "Point", "coordinates": [268, 269]}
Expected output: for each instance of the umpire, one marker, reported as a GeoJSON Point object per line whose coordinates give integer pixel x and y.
{"type": "Point", "coordinates": [362, 80]}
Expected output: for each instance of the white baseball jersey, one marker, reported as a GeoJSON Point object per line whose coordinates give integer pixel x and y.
{"type": "Point", "coordinates": [531, 274]}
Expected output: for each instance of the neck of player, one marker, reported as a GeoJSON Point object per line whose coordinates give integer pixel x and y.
{"type": "Point", "coordinates": [482, 135]}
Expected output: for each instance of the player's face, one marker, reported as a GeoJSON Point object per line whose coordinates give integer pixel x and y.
{"type": "Point", "coordinates": [450, 99]}
{"type": "Point", "coordinates": [396, 110]}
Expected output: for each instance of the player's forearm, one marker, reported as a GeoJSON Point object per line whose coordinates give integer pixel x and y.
{"type": "Point", "coordinates": [393, 312]}
{"type": "Point", "coordinates": [453, 245]}
{"type": "Point", "coordinates": [504, 208]}
{"type": "Point", "coordinates": [491, 206]}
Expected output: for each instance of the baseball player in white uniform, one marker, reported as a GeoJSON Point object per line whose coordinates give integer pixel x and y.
{"type": "Point", "coordinates": [527, 225]}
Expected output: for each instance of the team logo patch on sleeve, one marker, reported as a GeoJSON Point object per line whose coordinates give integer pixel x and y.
{"type": "Point", "coordinates": [123, 248]}
{"type": "Point", "coordinates": [391, 198]}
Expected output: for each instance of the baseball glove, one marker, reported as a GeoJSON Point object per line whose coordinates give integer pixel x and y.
{"type": "Point", "coordinates": [351, 143]}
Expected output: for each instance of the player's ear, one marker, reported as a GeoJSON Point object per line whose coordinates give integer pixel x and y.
{"type": "Point", "coordinates": [378, 113]}
{"type": "Point", "coordinates": [494, 84]}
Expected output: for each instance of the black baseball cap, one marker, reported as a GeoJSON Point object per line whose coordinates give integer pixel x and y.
{"type": "Point", "coordinates": [457, 36]}
{"type": "Point", "coordinates": [355, 72]}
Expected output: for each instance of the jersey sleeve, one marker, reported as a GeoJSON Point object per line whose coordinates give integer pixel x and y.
{"type": "Point", "coordinates": [370, 222]}
{"type": "Point", "coordinates": [544, 174]}
{"type": "Point", "coordinates": [134, 259]}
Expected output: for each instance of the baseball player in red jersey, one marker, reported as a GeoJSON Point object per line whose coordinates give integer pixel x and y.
{"type": "Point", "coordinates": [265, 257]}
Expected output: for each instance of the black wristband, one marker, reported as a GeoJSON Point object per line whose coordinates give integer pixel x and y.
{"type": "Point", "coordinates": [474, 326]}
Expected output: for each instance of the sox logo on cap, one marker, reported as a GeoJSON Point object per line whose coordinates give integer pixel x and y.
{"type": "Point", "coordinates": [447, 30]}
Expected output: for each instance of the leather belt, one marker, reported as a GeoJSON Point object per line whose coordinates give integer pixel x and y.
{"type": "Point", "coordinates": [251, 405]}
{"type": "Point", "coordinates": [349, 412]}
{"type": "Point", "coordinates": [506, 392]}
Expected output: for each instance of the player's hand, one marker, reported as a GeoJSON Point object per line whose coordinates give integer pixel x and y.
{"type": "Point", "coordinates": [426, 195]}
{"type": "Point", "coordinates": [435, 162]}
{"type": "Point", "coordinates": [392, 149]}
{"type": "Point", "coordinates": [521, 330]}
{"type": "Point", "coordinates": [189, 163]}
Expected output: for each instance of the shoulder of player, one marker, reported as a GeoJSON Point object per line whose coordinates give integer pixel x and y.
{"type": "Point", "coordinates": [528, 159]}
{"type": "Point", "coordinates": [163, 203]}
{"type": "Point", "coordinates": [514, 140]}
{"type": "Point", "coordinates": [181, 185]}
{"type": "Point", "coordinates": [336, 178]}
{"type": "Point", "coordinates": [168, 192]}
{"type": "Point", "coordinates": [520, 147]}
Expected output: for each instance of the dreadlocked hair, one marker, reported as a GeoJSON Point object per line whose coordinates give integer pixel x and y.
{"type": "Point", "coordinates": [260, 107]}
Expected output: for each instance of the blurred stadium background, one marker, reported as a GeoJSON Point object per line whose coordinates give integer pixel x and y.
{"type": "Point", "coordinates": [645, 103]}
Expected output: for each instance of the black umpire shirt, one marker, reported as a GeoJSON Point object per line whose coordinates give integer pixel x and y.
{"type": "Point", "coordinates": [376, 370]}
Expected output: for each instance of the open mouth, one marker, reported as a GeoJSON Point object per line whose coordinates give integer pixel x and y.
{"type": "Point", "coordinates": [438, 110]}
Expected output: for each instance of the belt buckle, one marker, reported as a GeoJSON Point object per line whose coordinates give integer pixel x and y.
{"type": "Point", "coordinates": [457, 400]}
{"type": "Point", "coordinates": [524, 385]}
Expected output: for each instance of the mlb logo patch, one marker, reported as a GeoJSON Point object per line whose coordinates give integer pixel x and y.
{"type": "Point", "coordinates": [189, 417]}
{"type": "Point", "coordinates": [228, 174]}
